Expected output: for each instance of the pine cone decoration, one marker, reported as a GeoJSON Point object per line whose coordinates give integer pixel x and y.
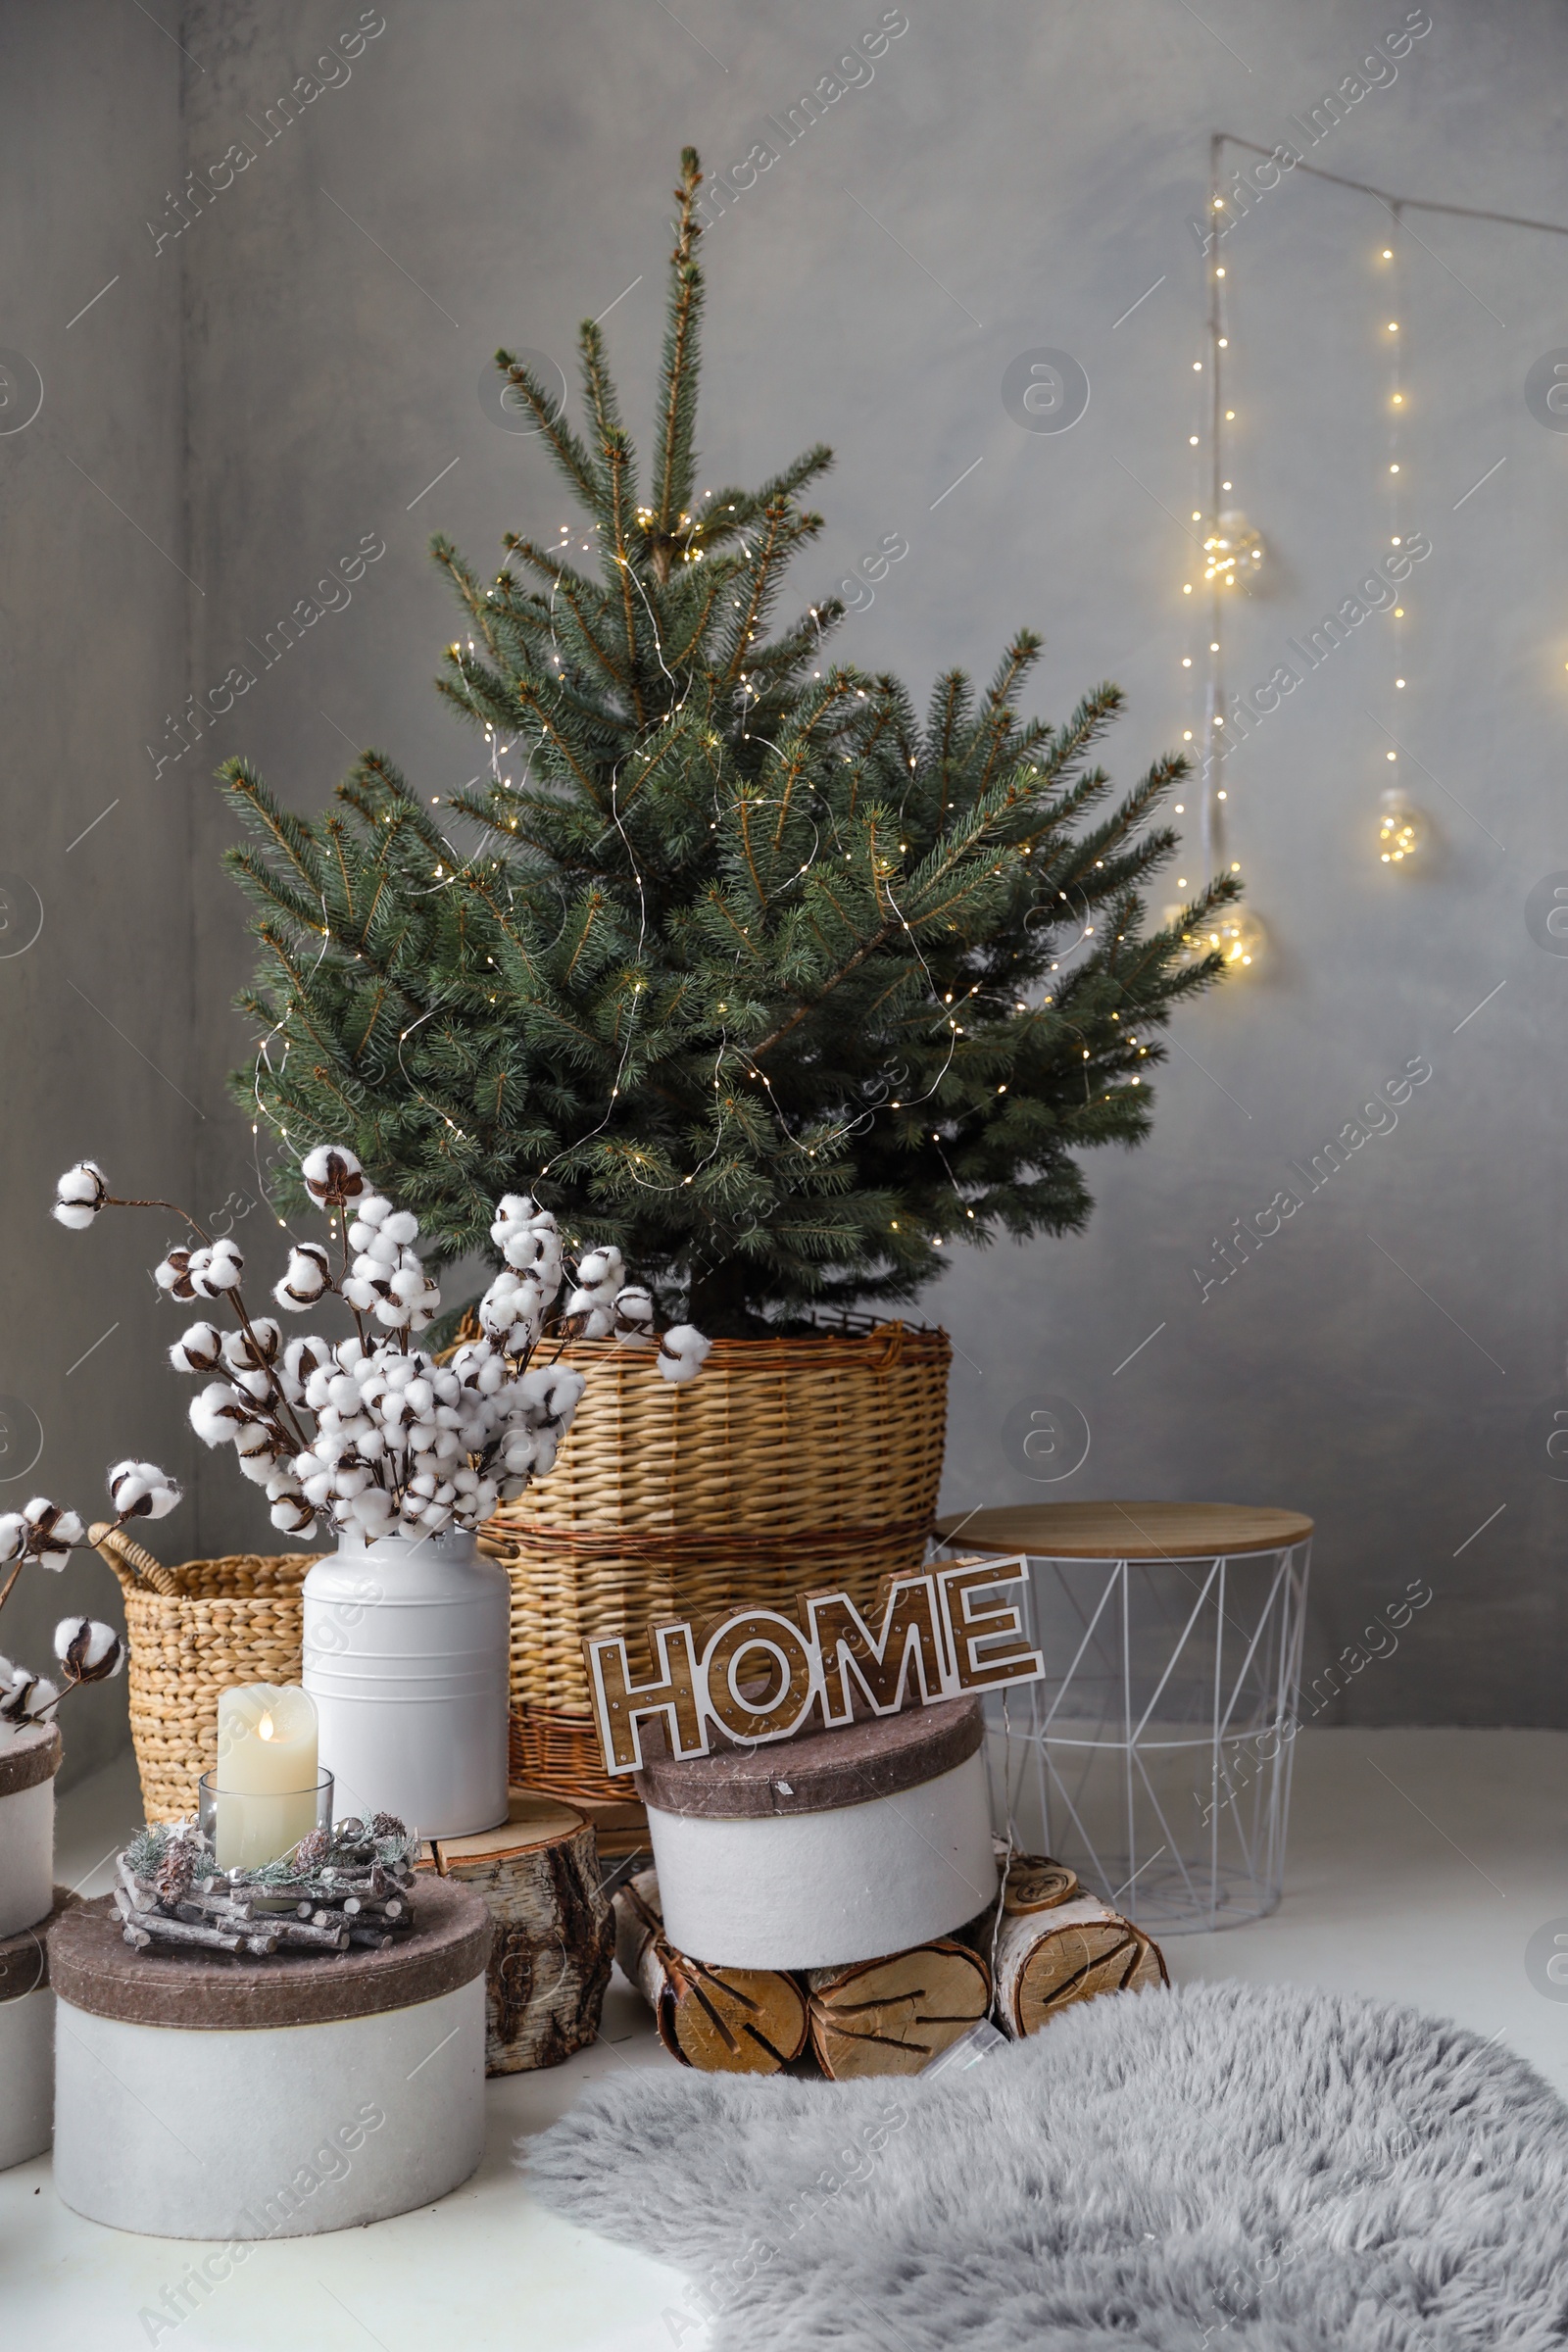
{"type": "Point", "coordinates": [175, 1873]}
{"type": "Point", "coordinates": [387, 1825]}
{"type": "Point", "coordinates": [312, 1851]}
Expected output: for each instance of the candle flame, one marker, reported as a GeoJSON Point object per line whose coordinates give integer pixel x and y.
{"type": "Point", "coordinates": [264, 1729]}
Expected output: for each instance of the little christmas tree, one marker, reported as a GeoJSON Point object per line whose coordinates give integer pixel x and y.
{"type": "Point", "coordinates": [731, 960]}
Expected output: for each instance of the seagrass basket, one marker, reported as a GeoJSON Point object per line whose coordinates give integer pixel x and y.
{"type": "Point", "coordinates": [789, 1467]}
{"type": "Point", "coordinates": [195, 1631]}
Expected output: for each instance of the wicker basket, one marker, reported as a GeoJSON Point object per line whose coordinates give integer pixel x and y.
{"type": "Point", "coordinates": [791, 1465]}
{"type": "Point", "coordinates": [195, 1631]}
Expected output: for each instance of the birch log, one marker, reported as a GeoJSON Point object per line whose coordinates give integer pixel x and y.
{"type": "Point", "coordinates": [722, 2021]}
{"type": "Point", "coordinates": [1046, 1960]}
{"type": "Point", "coordinates": [554, 1934]}
{"type": "Point", "coordinates": [893, 2016]}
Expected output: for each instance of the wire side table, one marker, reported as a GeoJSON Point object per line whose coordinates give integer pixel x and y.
{"type": "Point", "coordinates": [1155, 1758]}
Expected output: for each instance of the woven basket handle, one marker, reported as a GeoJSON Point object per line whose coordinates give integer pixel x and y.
{"type": "Point", "coordinates": [892, 1337]}
{"type": "Point", "coordinates": [131, 1563]}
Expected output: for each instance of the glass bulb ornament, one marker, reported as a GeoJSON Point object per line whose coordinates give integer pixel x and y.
{"type": "Point", "coordinates": [1233, 932]}
{"type": "Point", "coordinates": [1232, 551]}
{"type": "Point", "coordinates": [1402, 830]}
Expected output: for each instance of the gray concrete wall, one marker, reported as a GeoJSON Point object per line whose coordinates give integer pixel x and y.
{"type": "Point", "coordinates": [97, 1039]}
{"type": "Point", "coordinates": [1009, 178]}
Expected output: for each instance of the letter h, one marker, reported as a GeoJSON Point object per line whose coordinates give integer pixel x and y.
{"type": "Point", "coordinates": [619, 1704]}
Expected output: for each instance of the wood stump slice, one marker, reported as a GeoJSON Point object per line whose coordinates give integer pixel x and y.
{"type": "Point", "coordinates": [891, 2017]}
{"type": "Point", "coordinates": [721, 2020]}
{"type": "Point", "coordinates": [1036, 1884]}
{"type": "Point", "coordinates": [554, 1933]}
{"type": "Point", "coordinates": [1046, 1960]}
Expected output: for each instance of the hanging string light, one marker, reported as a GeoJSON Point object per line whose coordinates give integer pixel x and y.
{"type": "Point", "coordinates": [1401, 825]}
{"type": "Point", "coordinates": [1232, 550]}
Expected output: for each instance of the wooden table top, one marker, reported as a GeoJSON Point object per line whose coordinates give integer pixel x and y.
{"type": "Point", "coordinates": [1126, 1530]}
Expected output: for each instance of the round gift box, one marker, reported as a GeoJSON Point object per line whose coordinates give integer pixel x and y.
{"type": "Point", "coordinates": [210, 2096]}
{"type": "Point", "coordinates": [29, 1761]}
{"type": "Point", "coordinates": [830, 1847]}
{"type": "Point", "coordinates": [27, 2040]}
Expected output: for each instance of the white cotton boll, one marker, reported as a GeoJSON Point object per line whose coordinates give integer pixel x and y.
{"type": "Point", "coordinates": [351, 1352]}
{"type": "Point", "coordinates": [318, 1488]}
{"type": "Point", "coordinates": [214, 1414]}
{"type": "Point", "coordinates": [222, 1270]}
{"type": "Point", "coordinates": [407, 1285]}
{"type": "Point", "coordinates": [378, 1253]}
{"type": "Point", "coordinates": [293, 1514]}
{"type": "Point", "coordinates": [352, 1479]}
{"type": "Point", "coordinates": [141, 1490]}
{"type": "Point", "coordinates": [601, 1269]}
{"type": "Point", "coordinates": [309, 1275]}
{"type": "Point", "coordinates": [683, 1351]}
{"type": "Point", "coordinates": [299, 1360]}
{"type": "Point", "coordinates": [393, 1314]}
{"type": "Point", "coordinates": [13, 1537]}
{"type": "Point", "coordinates": [634, 1307]}
{"type": "Point", "coordinates": [362, 1295]}
{"type": "Point", "coordinates": [374, 1510]}
{"type": "Point", "coordinates": [372, 1210]}
{"type": "Point", "coordinates": [402, 1227]}
{"type": "Point", "coordinates": [545, 1449]}
{"type": "Point", "coordinates": [343, 1389]}
{"type": "Point", "coordinates": [420, 1396]}
{"type": "Point", "coordinates": [332, 1175]}
{"type": "Point", "coordinates": [252, 1438]}
{"type": "Point", "coordinates": [263, 1341]}
{"type": "Point", "coordinates": [257, 1386]}
{"type": "Point", "coordinates": [198, 1350]}
{"type": "Point", "coordinates": [80, 1193]}
{"type": "Point", "coordinates": [41, 1697]}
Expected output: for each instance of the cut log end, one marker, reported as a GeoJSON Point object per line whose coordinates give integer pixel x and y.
{"type": "Point", "coordinates": [1047, 1960]}
{"type": "Point", "coordinates": [721, 2020]}
{"type": "Point", "coordinates": [893, 2016]}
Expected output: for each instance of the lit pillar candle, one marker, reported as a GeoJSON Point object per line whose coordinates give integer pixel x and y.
{"type": "Point", "coordinates": [266, 1772]}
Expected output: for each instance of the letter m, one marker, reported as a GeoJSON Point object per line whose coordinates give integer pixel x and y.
{"type": "Point", "coordinates": [1325, 637]}
{"type": "Point", "coordinates": [879, 1665]}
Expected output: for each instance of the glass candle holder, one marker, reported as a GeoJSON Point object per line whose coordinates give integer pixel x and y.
{"type": "Point", "coordinates": [244, 1830]}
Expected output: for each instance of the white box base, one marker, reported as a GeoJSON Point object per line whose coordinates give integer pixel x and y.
{"type": "Point", "coordinates": [26, 1856]}
{"type": "Point", "coordinates": [821, 1889]}
{"type": "Point", "coordinates": [269, 2132]}
{"type": "Point", "coordinates": [26, 2076]}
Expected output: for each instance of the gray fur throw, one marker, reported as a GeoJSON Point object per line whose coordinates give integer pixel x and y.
{"type": "Point", "coordinates": [1222, 2167]}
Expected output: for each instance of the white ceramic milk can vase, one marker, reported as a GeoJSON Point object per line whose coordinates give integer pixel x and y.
{"type": "Point", "coordinates": [406, 1657]}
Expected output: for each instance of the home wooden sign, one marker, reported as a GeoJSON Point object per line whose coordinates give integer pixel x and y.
{"type": "Point", "coordinates": [757, 1673]}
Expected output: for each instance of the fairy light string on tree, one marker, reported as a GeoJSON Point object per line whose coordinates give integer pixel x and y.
{"type": "Point", "coordinates": [686, 948]}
